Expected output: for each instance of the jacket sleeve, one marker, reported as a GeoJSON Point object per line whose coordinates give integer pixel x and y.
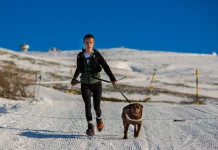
{"type": "Point", "coordinates": [106, 68]}
{"type": "Point", "coordinates": [77, 72]}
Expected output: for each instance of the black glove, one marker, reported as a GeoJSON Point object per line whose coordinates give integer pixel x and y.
{"type": "Point", "coordinates": [74, 82]}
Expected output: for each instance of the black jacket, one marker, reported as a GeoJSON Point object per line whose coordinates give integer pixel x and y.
{"type": "Point", "coordinates": [97, 62]}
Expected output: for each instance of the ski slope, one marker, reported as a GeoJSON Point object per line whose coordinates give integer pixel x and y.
{"type": "Point", "coordinates": [175, 72]}
{"type": "Point", "coordinates": [56, 121]}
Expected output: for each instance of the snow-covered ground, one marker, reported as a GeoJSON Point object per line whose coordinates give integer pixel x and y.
{"type": "Point", "coordinates": [56, 120]}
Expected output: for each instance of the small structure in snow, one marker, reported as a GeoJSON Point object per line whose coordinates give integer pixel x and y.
{"type": "Point", "coordinates": [53, 49]}
{"type": "Point", "coordinates": [24, 47]}
{"type": "Point", "coordinates": [214, 54]}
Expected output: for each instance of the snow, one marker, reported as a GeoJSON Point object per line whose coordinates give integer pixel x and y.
{"type": "Point", "coordinates": [56, 120]}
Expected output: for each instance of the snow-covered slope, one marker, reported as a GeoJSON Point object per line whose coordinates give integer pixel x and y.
{"type": "Point", "coordinates": [56, 120]}
{"type": "Point", "coordinates": [175, 72]}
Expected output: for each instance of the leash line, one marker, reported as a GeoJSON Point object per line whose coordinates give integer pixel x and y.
{"type": "Point", "coordinates": [122, 94]}
{"type": "Point", "coordinates": [115, 86]}
{"type": "Point", "coordinates": [101, 79]}
{"type": "Point", "coordinates": [107, 80]}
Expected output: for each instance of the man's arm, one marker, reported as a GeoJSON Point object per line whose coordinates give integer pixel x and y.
{"type": "Point", "coordinates": [106, 68]}
{"type": "Point", "coordinates": [77, 72]}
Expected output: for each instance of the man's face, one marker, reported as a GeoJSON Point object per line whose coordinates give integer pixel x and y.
{"type": "Point", "coordinates": [89, 43]}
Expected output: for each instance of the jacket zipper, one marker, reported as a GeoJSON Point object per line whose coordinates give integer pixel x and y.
{"type": "Point", "coordinates": [87, 64]}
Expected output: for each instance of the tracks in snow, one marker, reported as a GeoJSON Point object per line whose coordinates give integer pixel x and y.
{"type": "Point", "coordinates": [195, 133]}
{"type": "Point", "coordinates": [62, 124]}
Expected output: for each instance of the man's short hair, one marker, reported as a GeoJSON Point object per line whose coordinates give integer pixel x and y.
{"type": "Point", "coordinates": [88, 36]}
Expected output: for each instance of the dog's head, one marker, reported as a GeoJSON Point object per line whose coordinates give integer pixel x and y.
{"type": "Point", "coordinates": [136, 109]}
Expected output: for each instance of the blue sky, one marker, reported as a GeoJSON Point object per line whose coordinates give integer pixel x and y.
{"type": "Point", "coordinates": [170, 25]}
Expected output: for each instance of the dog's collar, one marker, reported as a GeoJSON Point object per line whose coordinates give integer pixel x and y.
{"type": "Point", "coordinates": [140, 119]}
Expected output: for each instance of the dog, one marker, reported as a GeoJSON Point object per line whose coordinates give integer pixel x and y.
{"type": "Point", "coordinates": [132, 114]}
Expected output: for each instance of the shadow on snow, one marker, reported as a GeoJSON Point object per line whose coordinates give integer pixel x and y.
{"type": "Point", "coordinates": [43, 133]}
{"type": "Point", "coordinates": [31, 134]}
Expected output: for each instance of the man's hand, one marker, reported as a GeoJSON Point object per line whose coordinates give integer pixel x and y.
{"type": "Point", "coordinates": [74, 82]}
{"type": "Point", "coordinates": [114, 82]}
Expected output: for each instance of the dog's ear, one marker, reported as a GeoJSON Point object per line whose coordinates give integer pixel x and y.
{"type": "Point", "coordinates": [130, 106]}
{"type": "Point", "coordinates": [141, 106]}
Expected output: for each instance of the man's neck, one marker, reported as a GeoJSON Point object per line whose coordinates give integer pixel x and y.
{"type": "Point", "coordinates": [88, 50]}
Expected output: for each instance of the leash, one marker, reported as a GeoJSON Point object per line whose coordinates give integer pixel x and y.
{"type": "Point", "coordinates": [122, 94]}
{"type": "Point", "coordinates": [115, 86]}
{"type": "Point", "coordinates": [107, 80]}
{"type": "Point", "coordinates": [101, 79]}
{"type": "Point", "coordinates": [77, 82]}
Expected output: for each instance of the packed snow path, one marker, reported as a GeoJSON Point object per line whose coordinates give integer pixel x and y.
{"type": "Point", "coordinates": [57, 121]}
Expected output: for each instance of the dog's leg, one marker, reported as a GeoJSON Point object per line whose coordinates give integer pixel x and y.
{"type": "Point", "coordinates": [126, 127]}
{"type": "Point", "coordinates": [136, 134]}
{"type": "Point", "coordinates": [124, 120]}
{"type": "Point", "coordinates": [124, 124]}
{"type": "Point", "coordinates": [135, 129]}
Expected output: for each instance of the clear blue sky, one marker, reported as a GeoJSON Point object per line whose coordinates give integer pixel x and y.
{"type": "Point", "coordinates": [171, 25]}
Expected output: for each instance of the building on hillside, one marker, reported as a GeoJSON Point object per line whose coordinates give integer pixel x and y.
{"type": "Point", "coordinates": [53, 49]}
{"type": "Point", "coordinates": [24, 47]}
{"type": "Point", "coordinates": [214, 54]}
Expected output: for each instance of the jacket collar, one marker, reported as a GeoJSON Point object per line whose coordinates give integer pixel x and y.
{"type": "Point", "coordinates": [83, 50]}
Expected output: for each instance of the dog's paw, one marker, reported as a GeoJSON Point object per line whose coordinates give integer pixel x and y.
{"type": "Point", "coordinates": [125, 137]}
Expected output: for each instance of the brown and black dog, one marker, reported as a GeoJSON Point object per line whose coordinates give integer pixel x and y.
{"type": "Point", "coordinates": [132, 114]}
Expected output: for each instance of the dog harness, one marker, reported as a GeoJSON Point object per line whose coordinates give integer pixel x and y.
{"type": "Point", "coordinates": [140, 119]}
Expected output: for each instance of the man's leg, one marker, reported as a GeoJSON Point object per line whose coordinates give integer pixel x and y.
{"type": "Point", "coordinates": [86, 94]}
{"type": "Point", "coordinates": [97, 92]}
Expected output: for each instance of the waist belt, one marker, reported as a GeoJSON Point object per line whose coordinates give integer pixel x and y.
{"type": "Point", "coordinates": [88, 75]}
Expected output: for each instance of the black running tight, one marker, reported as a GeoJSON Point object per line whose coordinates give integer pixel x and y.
{"type": "Point", "coordinates": [96, 90]}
